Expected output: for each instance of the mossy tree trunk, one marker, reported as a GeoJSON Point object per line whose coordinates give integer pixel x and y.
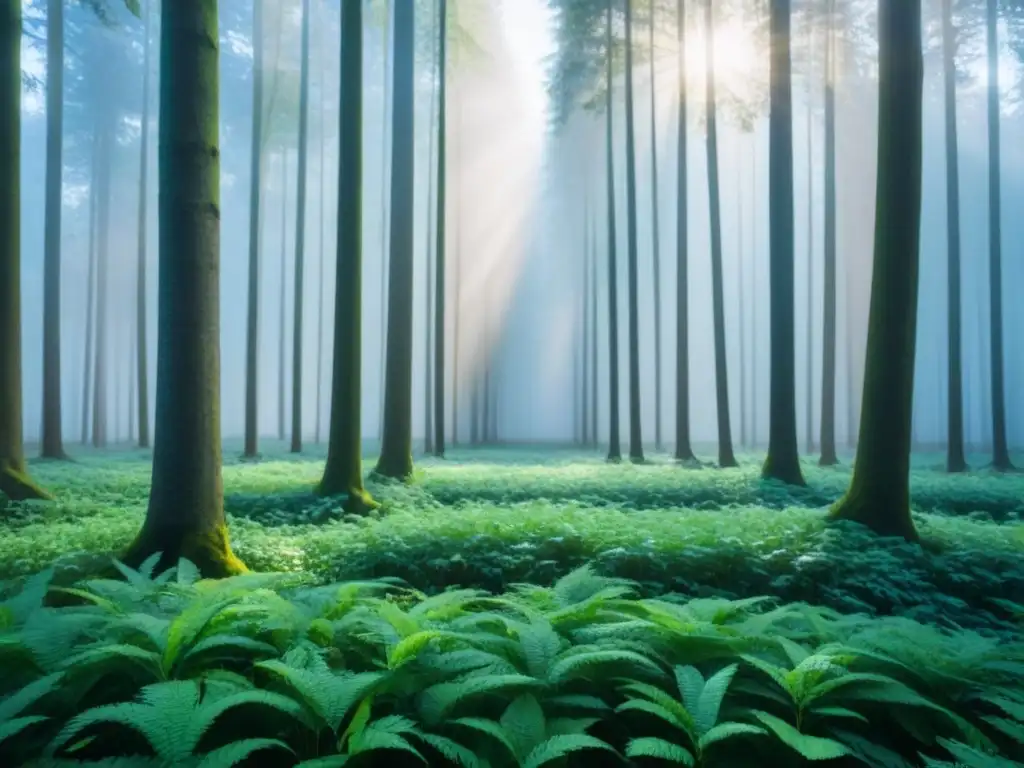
{"type": "Point", "coordinates": [396, 445]}
{"type": "Point", "coordinates": [440, 273]}
{"type": "Point", "coordinates": [684, 451]}
{"type": "Point", "coordinates": [879, 493]}
{"type": "Point", "coordinates": [52, 437]}
{"type": "Point", "coordinates": [186, 504]}
{"type": "Point", "coordinates": [614, 447]}
{"type": "Point", "coordinates": [252, 342]}
{"type": "Point", "coordinates": [343, 473]}
{"type": "Point", "coordinates": [636, 447]}
{"type": "Point", "coordinates": [783, 461]}
{"type": "Point", "coordinates": [726, 458]}
{"type": "Point", "coordinates": [955, 459]}
{"type": "Point", "coordinates": [141, 354]}
{"type": "Point", "coordinates": [1000, 449]}
{"type": "Point", "coordinates": [828, 357]}
{"type": "Point", "coordinates": [14, 480]}
{"type": "Point", "coordinates": [300, 235]}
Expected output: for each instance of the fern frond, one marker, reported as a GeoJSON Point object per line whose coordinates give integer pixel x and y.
{"type": "Point", "coordinates": [809, 747]}
{"type": "Point", "coordinates": [234, 753]}
{"type": "Point", "coordinates": [690, 683]}
{"type": "Point", "coordinates": [330, 696]}
{"type": "Point", "coordinates": [725, 731]}
{"type": "Point", "coordinates": [709, 701]}
{"type": "Point", "coordinates": [524, 723]}
{"type": "Point", "coordinates": [489, 728]}
{"type": "Point", "coordinates": [438, 700]}
{"type": "Point", "coordinates": [11, 728]}
{"type": "Point", "coordinates": [579, 662]}
{"type": "Point", "coordinates": [25, 697]}
{"type": "Point", "coordinates": [657, 710]}
{"type": "Point", "coordinates": [451, 750]}
{"type": "Point", "coordinates": [558, 747]}
{"type": "Point", "coordinates": [659, 749]}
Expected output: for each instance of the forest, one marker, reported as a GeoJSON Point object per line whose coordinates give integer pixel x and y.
{"type": "Point", "coordinates": [511, 383]}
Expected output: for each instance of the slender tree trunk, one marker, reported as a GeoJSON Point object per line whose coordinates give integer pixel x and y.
{"type": "Point", "coordinates": [955, 459]}
{"type": "Point", "coordinates": [809, 330]}
{"type": "Point", "coordinates": [300, 235]}
{"type": "Point", "coordinates": [614, 448]}
{"type": "Point", "coordinates": [592, 254]}
{"type": "Point", "coordinates": [1000, 450]}
{"type": "Point", "coordinates": [655, 239]}
{"type": "Point", "coordinates": [14, 480]}
{"type": "Point", "coordinates": [636, 447]}
{"type": "Point", "coordinates": [396, 447]}
{"type": "Point", "coordinates": [439, 230]}
{"type": "Point", "coordinates": [90, 299]}
{"type": "Point", "coordinates": [282, 322]}
{"type": "Point", "coordinates": [684, 452]}
{"type": "Point", "coordinates": [252, 343]}
{"type": "Point", "coordinates": [828, 357]}
{"type": "Point", "coordinates": [726, 458]}
{"type": "Point", "coordinates": [428, 347]}
{"type": "Point", "coordinates": [343, 473]}
{"type": "Point", "coordinates": [879, 494]}
{"type": "Point", "coordinates": [388, 124]}
{"type": "Point", "coordinates": [457, 308]}
{"type": "Point", "coordinates": [99, 406]}
{"type": "Point", "coordinates": [755, 318]}
{"type": "Point", "coordinates": [740, 309]}
{"type": "Point", "coordinates": [186, 504]}
{"type": "Point", "coordinates": [141, 280]}
{"type": "Point", "coordinates": [52, 438]}
{"type": "Point", "coordinates": [783, 460]}
{"type": "Point", "coordinates": [321, 283]}
{"type": "Point", "coordinates": [584, 381]}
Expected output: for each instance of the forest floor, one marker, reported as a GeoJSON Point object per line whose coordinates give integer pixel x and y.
{"type": "Point", "coordinates": [492, 517]}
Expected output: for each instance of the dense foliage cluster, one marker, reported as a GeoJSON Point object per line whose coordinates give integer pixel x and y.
{"type": "Point", "coordinates": [171, 670]}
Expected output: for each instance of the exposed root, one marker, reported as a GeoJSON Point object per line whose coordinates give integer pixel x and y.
{"type": "Point", "coordinates": [18, 486]}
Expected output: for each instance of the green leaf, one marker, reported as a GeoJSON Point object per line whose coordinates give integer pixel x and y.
{"type": "Point", "coordinates": [11, 728]}
{"type": "Point", "coordinates": [659, 749]}
{"type": "Point", "coordinates": [452, 750]}
{"type": "Point", "coordinates": [439, 699]}
{"type": "Point", "coordinates": [579, 664]}
{"type": "Point", "coordinates": [690, 683]}
{"type": "Point", "coordinates": [232, 754]}
{"type": "Point", "coordinates": [559, 746]}
{"type": "Point", "coordinates": [810, 747]}
{"type": "Point", "coordinates": [710, 701]}
{"type": "Point", "coordinates": [488, 727]}
{"type": "Point", "coordinates": [410, 647]}
{"type": "Point", "coordinates": [524, 722]}
{"type": "Point", "coordinates": [724, 731]}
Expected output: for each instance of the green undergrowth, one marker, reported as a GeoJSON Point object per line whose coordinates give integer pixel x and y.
{"type": "Point", "coordinates": [490, 519]}
{"type": "Point", "coordinates": [265, 670]}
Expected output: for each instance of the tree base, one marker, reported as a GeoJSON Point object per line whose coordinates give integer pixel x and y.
{"type": "Point", "coordinates": [251, 458]}
{"type": "Point", "coordinates": [828, 460]}
{"type": "Point", "coordinates": [878, 514]}
{"type": "Point", "coordinates": [18, 486]}
{"type": "Point", "coordinates": [787, 472]}
{"type": "Point", "coordinates": [358, 501]}
{"type": "Point", "coordinates": [210, 551]}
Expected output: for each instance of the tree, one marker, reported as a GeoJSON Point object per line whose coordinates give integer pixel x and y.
{"type": "Point", "coordinates": [614, 449]}
{"type": "Point", "coordinates": [396, 448]}
{"type": "Point", "coordinates": [343, 473]}
{"type": "Point", "coordinates": [52, 438]}
{"type": "Point", "coordinates": [783, 461]}
{"type": "Point", "coordinates": [300, 235]}
{"type": "Point", "coordinates": [726, 458]}
{"type": "Point", "coordinates": [684, 452]}
{"type": "Point", "coordinates": [439, 228]}
{"type": "Point", "coordinates": [636, 448]}
{"type": "Point", "coordinates": [1000, 450]}
{"type": "Point", "coordinates": [955, 460]}
{"type": "Point", "coordinates": [141, 353]}
{"type": "Point", "coordinates": [655, 234]}
{"type": "Point", "coordinates": [185, 517]}
{"type": "Point", "coordinates": [14, 480]}
{"type": "Point", "coordinates": [879, 493]}
{"type": "Point", "coordinates": [255, 190]}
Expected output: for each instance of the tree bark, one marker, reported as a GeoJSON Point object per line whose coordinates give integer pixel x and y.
{"type": "Point", "coordinates": [90, 298]}
{"type": "Point", "coordinates": [879, 493]}
{"type": "Point", "coordinates": [828, 357]}
{"type": "Point", "coordinates": [186, 504]}
{"type": "Point", "coordinates": [955, 459]}
{"type": "Point", "coordinates": [809, 330]}
{"type": "Point", "coordinates": [428, 324]}
{"type": "Point", "coordinates": [141, 281]}
{"type": "Point", "coordinates": [282, 323]}
{"type": "Point", "coordinates": [636, 448]}
{"type": "Point", "coordinates": [614, 447]}
{"type": "Point", "coordinates": [584, 377]}
{"type": "Point", "coordinates": [252, 345]}
{"type": "Point", "coordinates": [396, 446]}
{"type": "Point", "coordinates": [655, 239]}
{"type": "Point", "coordinates": [1000, 450]}
{"type": "Point", "coordinates": [783, 460]}
{"type": "Point", "coordinates": [52, 438]}
{"type": "Point", "coordinates": [684, 451]}
{"type": "Point", "coordinates": [103, 182]}
{"type": "Point", "coordinates": [343, 472]}
{"type": "Point", "coordinates": [387, 123]}
{"type": "Point", "coordinates": [439, 231]}
{"type": "Point", "coordinates": [726, 458]}
{"type": "Point", "coordinates": [300, 235]}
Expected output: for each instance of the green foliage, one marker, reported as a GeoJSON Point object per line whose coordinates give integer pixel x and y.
{"type": "Point", "coordinates": [167, 669]}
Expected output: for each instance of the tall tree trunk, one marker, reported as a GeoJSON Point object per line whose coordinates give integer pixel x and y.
{"type": "Point", "coordinates": [828, 344]}
{"type": "Point", "coordinates": [428, 346]}
{"type": "Point", "coordinates": [252, 329]}
{"type": "Point", "coordinates": [636, 447]}
{"type": "Point", "coordinates": [584, 379]}
{"type": "Point", "coordinates": [282, 323]}
{"type": "Point", "coordinates": [740, 309]}
{"type": "Point", "coordinates": [593, 334]}
{"type": "Point", "coordinates": [457, 308]}
{"type": "Point", "coordinates": [684, 451]}
{"type": "Point", "coordinates": [186, 503]}
{"type": "Point", "coordinates": [321, 283]}
{"type": "Point", "coordinates": [809, 329]}
{"type": "Point", "coordinates": [52, 438]}
{"type": "Point", "coordinates": [387, 123]}
{"type": "Point", "coordinates": [90, 298]}
{"type": "Point", "coordinates": [655, 238]}
{"type": "Point", "coordinates": [141, 351]}
{"type": "Point", "coordinates": [1000, 450]}
{"type": "Point", "coordinates": [99, 406]}
{"type": "Point", "coordinates": [783, 460]}
{"type": "Point", "coordinates": [300, 235]}
{"type": "Point", "coordinates": [726, 458]}
{"type": "Point", "coordinates": [955, 459]}
{"type": "Point", "coordinates": [396, 446]}
{"type": "Point", "coordinates": [755, 317]}
{"type": "Point", "coordinates": [343, 473]}
{"type": "Point", "coordinates": [14, 480]}
{"type": "Point", "coordinates": [879, 494]}
{"type": "Point", "coordinates": [439, 229]}
{"type": "Point", "coordinates": [614, 448]}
